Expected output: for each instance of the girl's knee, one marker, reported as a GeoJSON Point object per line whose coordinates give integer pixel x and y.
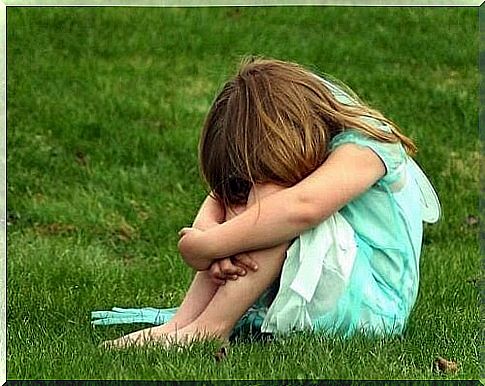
{"type": "Point", "coordinates": [234, 210]}
{"type": "Point", "coordinates": [259, 191]}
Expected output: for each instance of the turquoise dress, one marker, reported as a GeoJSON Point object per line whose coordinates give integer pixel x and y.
{"type": "Point", "coordinates": [356, 271]}
{"type": "Point", "coordinates": [359, 269]}
{"type": "Point", "coordinates": [368, 269]}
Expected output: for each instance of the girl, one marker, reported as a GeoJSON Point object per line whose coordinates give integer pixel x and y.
{"type": "Point", "coordinates": [313, 195]}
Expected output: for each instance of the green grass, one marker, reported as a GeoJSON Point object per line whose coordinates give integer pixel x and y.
{"type": "Point", "coordinates": [104, 111]}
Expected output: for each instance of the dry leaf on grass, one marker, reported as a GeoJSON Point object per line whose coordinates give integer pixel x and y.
{"type": "Point", "coordinates": [221, 354]}
{"type": "Point", "coordinates": [55, 229]}
{"type": "Point", "coordinates": [81, 158]}
{"type": "Point", "coordinates": [126, 232]}
{"type": "Point", "coordinates": [471, 220]}
{"type": "Point", "coordinates": [442, 365]}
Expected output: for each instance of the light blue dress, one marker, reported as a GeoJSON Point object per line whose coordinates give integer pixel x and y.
{"type": "Point", "coordinates": [356, 271]}
{"type": "Point", "coordinates": [368, 275]}
{"type": "Point", "coordinates": [365, 275]}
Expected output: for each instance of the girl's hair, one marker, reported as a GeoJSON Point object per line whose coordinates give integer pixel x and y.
{"type": "Point", "coordinates": [272, 122]}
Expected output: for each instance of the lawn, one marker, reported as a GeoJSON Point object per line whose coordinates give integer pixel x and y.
{"type": "Point", "coordinates": [104, 110]}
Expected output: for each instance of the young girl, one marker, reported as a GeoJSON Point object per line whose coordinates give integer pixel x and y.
{"type": "Point", "coordinates": [313, 195]}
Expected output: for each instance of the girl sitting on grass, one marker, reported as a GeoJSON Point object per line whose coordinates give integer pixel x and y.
{"type": "Point", "coordinates": [314, 195]}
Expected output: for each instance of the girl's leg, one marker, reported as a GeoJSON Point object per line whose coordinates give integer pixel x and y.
{"type": "Point", "coordinates": [198, 296]}
{"type": "Point", "coordinates": [233, 299]}
{"type": "Point", "coordinates": [196, 299]}
{"type": "Point", "coordinates": [228, 303]}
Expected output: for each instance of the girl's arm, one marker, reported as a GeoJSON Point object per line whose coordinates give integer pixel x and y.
{"type": "Point", "coordinates": [349, 171]}
{"type": "Point", "coordinates": [211, 213]}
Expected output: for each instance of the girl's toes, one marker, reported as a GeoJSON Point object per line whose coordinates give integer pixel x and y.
{"type": "Point", "coordinates": [113, 344]}
{"type": "Point", "coordinates": [121, 343]}
{"type": "Point", "coordinates": [109, 345]}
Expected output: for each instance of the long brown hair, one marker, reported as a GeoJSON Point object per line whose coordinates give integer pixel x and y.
{"type": "Point", "coordinates": [273, 122]}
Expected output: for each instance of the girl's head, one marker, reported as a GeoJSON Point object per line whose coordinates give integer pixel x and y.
{"type": "Point", "coordinates": [272, 122]}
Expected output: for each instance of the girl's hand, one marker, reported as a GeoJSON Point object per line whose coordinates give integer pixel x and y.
{"type": "Point", "coordinates": [231, 268]}
{"type": "Point", "coordinates": [222, 270]}
{"type": "Point", "coordinates": [245, 261]}
{"type": "Point", "coordinates": [187, 231]}
{"type": "Point", "coordinates": [194, 248]}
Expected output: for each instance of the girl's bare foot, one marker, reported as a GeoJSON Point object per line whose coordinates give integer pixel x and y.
{"type": "Point", "coordinates": [175, 337]}
{"type": "Point", "coordinates": [140, 337]}
{"type": "Point", "coordinates": [137, 338]}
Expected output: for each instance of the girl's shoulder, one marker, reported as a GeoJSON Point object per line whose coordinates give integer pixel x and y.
{"type": "Point", "coordinates": [401, 171]}
{"type": "Point", "coordinates": [393, 155]}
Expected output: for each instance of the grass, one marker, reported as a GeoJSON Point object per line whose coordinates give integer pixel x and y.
{"type": "Point", "coordinates": [104, 110]}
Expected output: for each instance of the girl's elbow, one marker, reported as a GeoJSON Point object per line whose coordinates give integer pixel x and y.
{"type": "Point", "coordinates": [307, 214]}
{"type": "Point", "coordinates": [190, 257]}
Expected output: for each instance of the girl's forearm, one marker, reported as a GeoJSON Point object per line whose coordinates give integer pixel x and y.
{"type": "Point", "coordinates": [268, 223]}
{"type": "Point", "coordinates": [348, 172]}
{"type": "Point", "coordinates": [263, 225]}
{"type": "Point", "coordinates": [211, 213]}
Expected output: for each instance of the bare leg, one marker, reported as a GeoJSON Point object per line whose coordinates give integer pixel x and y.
{"type": "Point", "coordinates": [229, 302]}
{"type": "Point", "coordinates": [213, 310]}
{"type": "Point", "coordinates": [232, 300]}
{"type": "Point", "coordinates": [198, 296]}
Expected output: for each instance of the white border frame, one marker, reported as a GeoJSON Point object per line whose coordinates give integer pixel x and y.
{"type": "Point", "coordinates": [244, 3]}
{"type": "Point", "coordinates": [133, 3]}
{"type": "Point", "coordinates": [3, 195]}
